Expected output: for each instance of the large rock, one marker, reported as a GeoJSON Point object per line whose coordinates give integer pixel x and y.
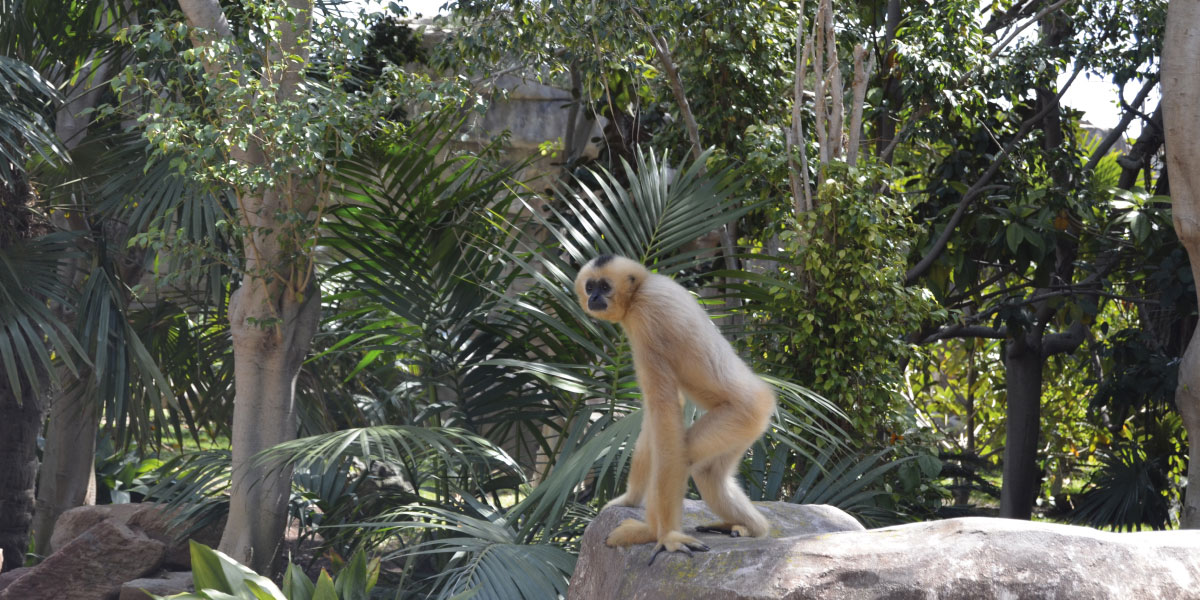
{"type": "Point", "coordinates": [165, 584]}
{"type": "Point", "coordinates": [966, 558]}
{"type": "Point", "coordinates": [10, 576]}
{"type": "Point", "coordinates": [90, 567]}
{"type": "Point", "coordinates": [152, 519]}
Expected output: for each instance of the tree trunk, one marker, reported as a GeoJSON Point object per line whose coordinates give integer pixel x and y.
{"type": "Point", "coordinates": [273, 316]}
{"type": "Point", "coordinates": [267, 361]}
{"type": "Point", "coordinates": [1023, 377]}
{"type": "Point", "coordinates": [1181, 120]}
{"type": "Point", "coordinates": [886, 121]}
{"type": "Point", "coordinates": [19, 425]}
{"type": "Point", "coordinates": [68, 475]}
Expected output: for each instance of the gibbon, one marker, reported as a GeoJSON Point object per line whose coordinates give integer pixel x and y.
{"type": "Point", "coordinates": [678, 350]}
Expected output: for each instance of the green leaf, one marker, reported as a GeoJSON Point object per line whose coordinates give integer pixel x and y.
{"type": "Point", "coordinates": [1013, 235]}
{"type": "Point", "coordinates": [325, 588]}
{"type": "Point", "coordinates": [353, 581]}
{"type": "Point", "coordinates": [1139, 225]}
{"type": "Point", "coordinates": [930, 465]}
{"type": "Point", "coordinates": [207, 572]}
{"type": "Point", "coordinates": [296, 585]}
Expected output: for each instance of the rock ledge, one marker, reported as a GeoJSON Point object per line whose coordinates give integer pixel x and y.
{"type": "Point", "coordinates": [821, 552]}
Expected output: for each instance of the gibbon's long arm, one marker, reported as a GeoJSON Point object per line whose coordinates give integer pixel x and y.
{"type": "Point", "coordinates": [639, 471]}
{"type": "Point", "coordinates": [677, 348]}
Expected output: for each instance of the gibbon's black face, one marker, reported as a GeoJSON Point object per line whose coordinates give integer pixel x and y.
{"type": "Point", "coordinates": [598, 291]}
{"type": "Point", "coordinates": [605, 286]}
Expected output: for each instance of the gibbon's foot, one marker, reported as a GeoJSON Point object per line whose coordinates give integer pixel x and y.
{"type": "Point", "coordinates": [728, 529]}
{"type": "Point", "coordinates": [630, 532]}
{"type": "Point", "coordinates": [677, 541]}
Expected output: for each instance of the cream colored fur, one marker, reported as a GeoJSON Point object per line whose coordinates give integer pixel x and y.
{"type": "Point", "coordinates": [678, 350]}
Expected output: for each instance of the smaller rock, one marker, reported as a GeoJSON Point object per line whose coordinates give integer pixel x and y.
{"type": "Point", "coordinates": [165, 584]}
{"type": "Point", "coordinates": [72, 523]}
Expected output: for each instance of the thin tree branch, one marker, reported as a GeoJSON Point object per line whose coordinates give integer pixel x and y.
{"type": "Point", "coordinates": [1115, 134]}
{"type": "Point", "coordinates": [1068, 341]}
{"type": "Point", "coordinates": [1143, 149]}
{"type": "Point", "coordinates": [858, 93]}
{"type": "Point", "coordinates": [837, 112]}
{"type": "Point", "coordinates": [1013, 13]}
{"type": "Point", "coordinates": [676, 84]}
{"type": "Point", "coordinates": [820, 118]}
{"type": "Point", "coordinates": [966, 331]}
{"type": "Point", "coordinates": [798, 176]}
{"type": "Point", "coordinates": [1013, 35]}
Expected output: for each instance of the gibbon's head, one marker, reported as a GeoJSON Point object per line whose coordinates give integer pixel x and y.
{"type": "Point", "coordinates": [605, 286]}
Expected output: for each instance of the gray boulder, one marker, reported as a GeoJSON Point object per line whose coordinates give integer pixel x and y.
{"type": "Point", "coordinates": [90, 567]}
{"type": "Point", "coordinates": [812, 552]}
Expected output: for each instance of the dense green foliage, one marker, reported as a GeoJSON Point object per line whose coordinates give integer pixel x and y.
{"type": "Point", "coordinates": [462, 418]}
{"type": "Point", "coordinates": [849, 251]}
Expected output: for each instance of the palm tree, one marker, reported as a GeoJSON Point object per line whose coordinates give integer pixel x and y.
{"type": "Point", "coordinates": [97, 193]}
{"type": "Point", "coordinates": [30, 333]}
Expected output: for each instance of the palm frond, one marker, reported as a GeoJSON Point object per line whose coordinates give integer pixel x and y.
{"type": "Point", "coordinates": [1128, 491]}
{"type": "Point", "coordinates": [406, 276]}
{"type": "Point", "coordinates": [24, 130]}
{"type": "Point", "coordinates": [194, 488]}
{"type": "Point", "coordinates": [487, 556]}
{"type": "Point", "coordinates": [124, 376]}
{"type": "Point", "coordinates": [32, 335]}
{"type": "Point", "coordinates": [426, 455]}
{"type": "Point", "coordinates": [852, 483]}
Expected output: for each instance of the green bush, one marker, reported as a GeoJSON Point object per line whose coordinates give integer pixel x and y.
{"type": "Point", "coordinates": [218, 577]}
{"type": "Point", "coordinates": [837, 313]}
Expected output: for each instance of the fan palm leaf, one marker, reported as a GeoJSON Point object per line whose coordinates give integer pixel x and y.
{"type": "Point", "coordinates": [25, 101]}
{"type": "Point", "coordinates": [31, 334]}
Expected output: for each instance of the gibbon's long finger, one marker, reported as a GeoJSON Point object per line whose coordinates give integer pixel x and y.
{"type": "Point", "coordinates": [686, 548]}
{"type": "Point", "coordinates": [725, 529]}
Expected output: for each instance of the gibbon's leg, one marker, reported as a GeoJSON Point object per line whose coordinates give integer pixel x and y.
{"type": "Point", "coordinates": [734, 424]}
{"type": "Point", "coordinates": [668, 476]}
{"type": "Point", "coordinates": [721, 493]}
{"type": "Point", "coordinates": [639, 470]}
